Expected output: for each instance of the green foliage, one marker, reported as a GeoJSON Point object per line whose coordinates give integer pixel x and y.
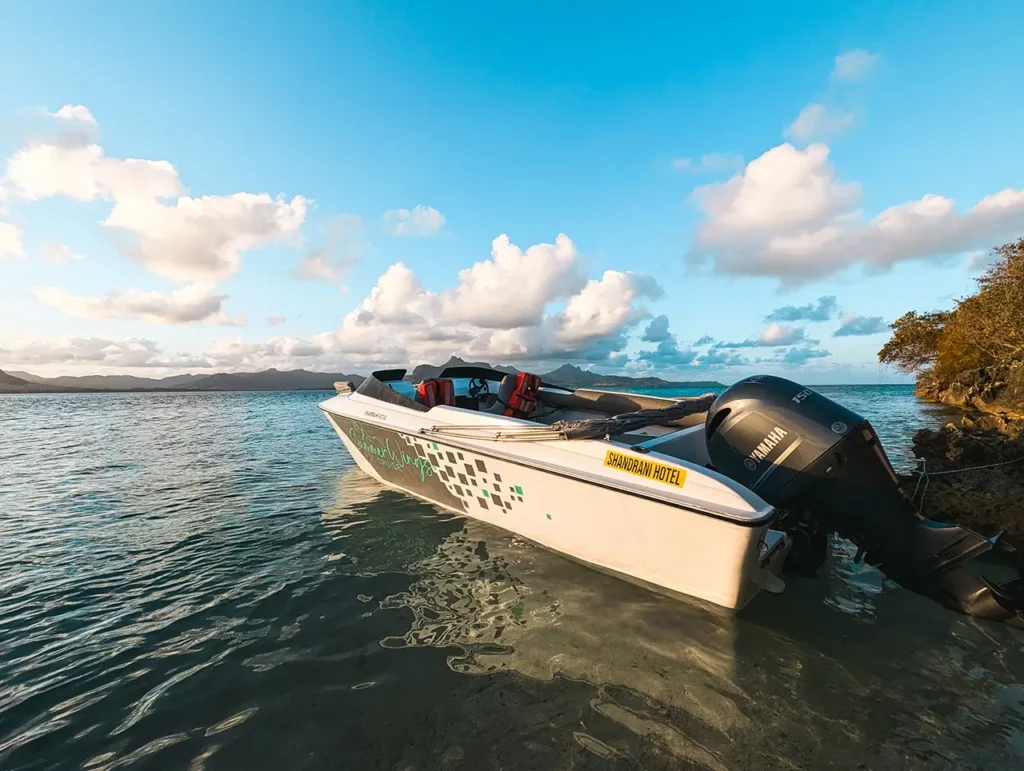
{"type": "Point", "coordinates": [983, 330]}
{"type": "Point", "coordinates": [915, 340]}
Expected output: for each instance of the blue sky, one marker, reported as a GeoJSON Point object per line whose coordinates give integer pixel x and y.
{"type": "Point", "coordinates": [588, 121]}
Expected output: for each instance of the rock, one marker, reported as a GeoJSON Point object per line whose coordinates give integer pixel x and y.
{"type": "Point", "coordinates": [989, 499]}
{"type": "Point", "coordinates": [986, 390]}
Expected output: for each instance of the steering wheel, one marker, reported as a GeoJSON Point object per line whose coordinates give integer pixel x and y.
{"type": "Point", "coordinates": [478, 389]}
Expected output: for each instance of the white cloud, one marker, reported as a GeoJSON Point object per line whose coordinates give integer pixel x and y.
{"type": "Point", "coordinates": [276, 320]}
{"type": "Point", "coordinates": [512, 288]}
{"type": "Point", "coordinates": [182, 306]}
{"type": "Point", "coordinates": [96, 352]}
{"type": "Point", "coordinates": [202, 239]}
{"type": "Point", "coordinates": [774, 335]}
{"type": "Point", "coordinates": [10, 241]}
{"type": "Point", "coordinates": [182, 238]}
{"type": "Point", "coordinates": [854, 64]}
{"type": "Point", "coordinates": [816, 121]}
{"type": "Point", "coordinates": [709, 162]}
{"type": "Point", "coordinates": [52, 251]}
{"type": "Point", "coordinates": [243, 355]}
{"type": "Point", "coordinates": [75, 112]}
{"type": "Point", "coordinates": [332, 260]}
{"type": "Point", "coordinates": [657, 330]}
{"type": "Point", "coordinates": [823, 310]}
{"type": "Point", "coordinates": [799, 355]}
{"type": "Point", "coordinates": [606, 306]}
{"type": "Point", "coordinates": [400, 321]}
{"type": "Point", "coordinates": [854, 325]}
{"type": "Point", "coordinates": [44, 170]}
{"type": "Point", "coordinates": [420, 221]}
{"type": "Point", "coordinates": [788, 216]}
{"type": "Point", "coordinates": [783, 188]}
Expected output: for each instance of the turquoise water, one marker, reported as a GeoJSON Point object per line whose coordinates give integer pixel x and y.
{"type": "Point", "coordinates": [204, 581]}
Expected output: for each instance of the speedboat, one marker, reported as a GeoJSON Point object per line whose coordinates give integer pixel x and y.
{"type": "Point", "coordinates": [706, 498]}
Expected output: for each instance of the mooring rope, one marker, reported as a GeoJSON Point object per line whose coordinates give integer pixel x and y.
{"type": "Point", "coordinates": [924, 474]}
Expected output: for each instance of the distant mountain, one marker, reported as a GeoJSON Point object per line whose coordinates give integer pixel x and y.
{"type": "Point", "coordinates": [428, 371]}
{"type": "Point", "coordinates": [567, 375]}
{"type": "Point", "coordinates": [574, 377]}
{"type": "Point", "coordinates": [10, 384]}
{"type": "Point", "coordinates": [269, 380]}
{"type": "Point", "coordinates": [303, 380]}
{"type": "Point", "coordinates": [111, 382]}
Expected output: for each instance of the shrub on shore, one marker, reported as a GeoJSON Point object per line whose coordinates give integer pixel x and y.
{"type": "Point", "coordinates": [983, 331]}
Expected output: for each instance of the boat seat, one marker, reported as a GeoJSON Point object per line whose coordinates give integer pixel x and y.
{"type": "Point", "coordinates": [435, 391]}
{"type": "Point", "coordinates": [517, 395]}
{"type": "Point", "coordinates": [505, 390]}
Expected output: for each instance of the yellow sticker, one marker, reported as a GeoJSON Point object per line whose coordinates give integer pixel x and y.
{"type": "Point", "coordinates": [648, 469]}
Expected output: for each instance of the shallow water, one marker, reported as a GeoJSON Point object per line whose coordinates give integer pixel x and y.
{"type": "Point", "coordinates": [204, 581]}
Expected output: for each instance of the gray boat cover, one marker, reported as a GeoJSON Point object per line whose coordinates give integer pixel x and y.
{"type": "Point", "coordinates": [598, 428]}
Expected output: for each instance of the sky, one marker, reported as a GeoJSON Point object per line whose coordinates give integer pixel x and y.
{"type": "Point", "coordinates": [694, 191]}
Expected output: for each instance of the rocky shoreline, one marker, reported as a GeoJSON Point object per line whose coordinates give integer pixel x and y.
{"type": "Point", "coordinates": [991, 435]}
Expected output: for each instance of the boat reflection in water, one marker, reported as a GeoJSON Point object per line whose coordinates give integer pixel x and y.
{"type": "Point", "coordinates": [844, 671]}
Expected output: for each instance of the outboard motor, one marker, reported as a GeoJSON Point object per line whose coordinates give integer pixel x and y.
{"type": "Point", "coordinates": [823, 464]}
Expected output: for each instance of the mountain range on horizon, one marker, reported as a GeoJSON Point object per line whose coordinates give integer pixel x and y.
{"type": "Point", "coordinates": [298, 380]}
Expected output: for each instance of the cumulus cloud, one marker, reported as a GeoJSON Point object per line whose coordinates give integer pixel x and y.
{"type": "Point", "coordinates": [824, 309]}
{"type": "Point", "coordinates": [605, 306]}
{"type": "Point", "coordinates": [816, 121]}
{"type": "Point", "coordinates": [775, 335]}
{"type": "Point", "coordinates": [657, 330]}
{"type": "Point", "coordinates": [788, 216]}
{"type": "Point", "coordinates": [401, 321]}
{"type": "Point", "coordinates": [799, 355]}
{"type": "Point", "coordinates": [85, 173]}
{"type": "Point", "coordinates": [669, 354]}
{"type": "Point", "coordinates": [235, 353]}
{"type": "Point", "coordinates": [181, 238]}
{"type": "Point", "coordinates": [418, 222]}
{"type": "Point", "coordinates": [183, 306]}
{"type": "Point", "coordinates": [10, 242]}
{"type": "Point", "coordinates": [720, 358]}
{"type": "Point", "coordinates": [76, 112]}
{"type": "Point", "coordinates": [854, 325]}
{"type": "Point", "coordinates": [276, 320]}
{"type": "Point", "coordinates": [52, 251]}
{"type": "Point", "coordinates": [332, 260]}
{"type": "Point", "coordinates": [203, 239]}
{"type": "Point", "coordinates": [709, 162]}
{"type": "Point", "coordinates": [512, 288]}
{"type": "Point", "coordinates": [854, 64]}
{"type": "Point", "coordinates": [96, 352]}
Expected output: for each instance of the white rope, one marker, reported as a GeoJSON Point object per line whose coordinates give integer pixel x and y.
{"type": "Point", "coordinates": [970, 468]}
{"type": "Point", "coordinates": [924, 474]}
{"type": "Point", "coordinates": [523, 434]}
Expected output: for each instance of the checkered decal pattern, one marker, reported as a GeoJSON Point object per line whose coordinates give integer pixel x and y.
{"type": "Point", "coordinates": [468, 477]}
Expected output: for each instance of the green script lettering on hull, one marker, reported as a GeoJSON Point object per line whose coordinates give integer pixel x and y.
{"type": "Point", "coordinates": [402, 460]}
{"type": "Point", "coordinates": [381, 451]}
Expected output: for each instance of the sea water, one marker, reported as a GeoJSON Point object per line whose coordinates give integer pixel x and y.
{"type": "Point", "coordinates": [205, 581]}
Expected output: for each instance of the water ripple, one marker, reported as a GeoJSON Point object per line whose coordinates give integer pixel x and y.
{"type": "Point", "coordinates": [204, 581]}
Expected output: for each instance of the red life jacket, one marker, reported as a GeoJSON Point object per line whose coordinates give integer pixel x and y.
{"type": "Point", "coordinates": [524, 398]}
{"type": "Point", "coordinates": [437, 391]}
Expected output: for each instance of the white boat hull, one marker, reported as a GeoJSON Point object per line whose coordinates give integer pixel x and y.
{"type": "Point", "coordinates": [557, 497]}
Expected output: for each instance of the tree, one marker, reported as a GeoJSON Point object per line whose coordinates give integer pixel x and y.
{"type": "Point", "coordinates": [985, 329]}
{"type": "Point", "coordinates": [915, 340]}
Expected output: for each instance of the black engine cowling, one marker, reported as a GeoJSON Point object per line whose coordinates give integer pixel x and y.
{"type": "Point", "coordinates": [802, 452]}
